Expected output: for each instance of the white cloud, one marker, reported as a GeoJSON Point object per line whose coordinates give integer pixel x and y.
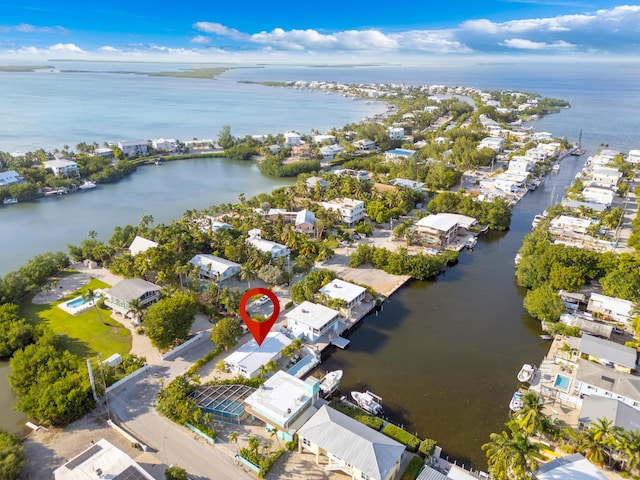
{"type": "Point", "coordinates": [529, 45]}
{"type": "Point", "coordinates": [219, 29]}
{"type": "Point", "coordinates": [28, 28]}
{"type": "Point", "coordinates": [201, 39]}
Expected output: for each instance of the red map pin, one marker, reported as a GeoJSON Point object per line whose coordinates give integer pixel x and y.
{"type": "Point", "coordinates": [259, 330]}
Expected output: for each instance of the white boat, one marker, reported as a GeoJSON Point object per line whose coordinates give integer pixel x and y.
{"type": "Point", "coordinates": [87, 185]}
{"type": "Point", "coordinates": [368, 401]}
{"type": "Point", "coordinates": [555, 167]}
{"type": "Point", "coordinates": [431, 251]}
{"type": "Point", "coordinates": [526, 373]}
{"type": "Point", "coordinates": [9, 200]}
{"type": "Point", "coordinates": [536, 221]}
{"type": "Point", "coordinates": [330, 382]}
{"type": "Point", "coordinates": [546, 337]}
{"type": "Point", "coordinates": [516, 402]}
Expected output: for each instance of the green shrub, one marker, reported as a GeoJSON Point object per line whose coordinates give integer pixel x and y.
{"type": "Point", "coordinates": [427, 446]}
{"type": "Point", "coordinates": [357, 414]}
{"type": "Point", "coordinates": [410, 441]}
{"type": "Point", "coordinates": [288, 305]}
{"type": "Point", "coordinates": [413, 469]}
{"type": "Point", "coordinates": [201, 362]}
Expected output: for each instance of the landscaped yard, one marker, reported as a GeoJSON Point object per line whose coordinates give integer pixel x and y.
{"type": "Point", "coordinates": [84, 334]}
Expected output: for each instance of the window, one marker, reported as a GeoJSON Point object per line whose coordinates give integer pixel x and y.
{"type": "Point", "coordinates": [306, 442]}
{"type": "Point", "coordinates": [364, 476]}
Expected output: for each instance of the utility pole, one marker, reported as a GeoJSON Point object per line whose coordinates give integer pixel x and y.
{"type": "Point", "coordinates": [104, 384]}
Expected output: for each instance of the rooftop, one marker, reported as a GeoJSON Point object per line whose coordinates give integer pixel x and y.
{"type": "Point", "coordinates": [312, 314]}
{"type": "Point", "coordinates": [445, 221]}
{"type": "Point", "coordinates": [131, 289]}
{"type": "Point", "coordinates": [571, 467]}
{"type": "Point", "coordinates": [251, 356]}
{"type": "Point", "coordinates": [217, 264]}
{"type": "Point", "coordinates": [608, 379]}
{"type": "Point", "coordinates": [141, 244]}
{"type": "Point", "coordinates": [611, 351]}
{"type": "Point", "coordinates": [342, 290]}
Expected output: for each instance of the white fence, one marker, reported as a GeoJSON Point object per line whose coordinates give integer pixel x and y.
{"type": "Point", "coordinates": [184, 345]}
{"type": "Point", "coordinates": [127, 378]}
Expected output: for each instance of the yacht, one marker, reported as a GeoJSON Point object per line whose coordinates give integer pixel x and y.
{"type": "Point", "coordinates": [330, 382]}
{"type": "Point", "coordinates": [368, 401]}
{"type": "Point", "coordinates": [87, 185]}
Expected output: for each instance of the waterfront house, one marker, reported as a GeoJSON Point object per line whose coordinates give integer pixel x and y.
{"type": "Point", "coordinates": [104, 152]}
{"type": "Point", "coordinates": [633, 157]}
{"type": "Point", "coordinates": [566, 225]}
{"type": "Point", "coordinates": [570, 467]}
{"type": "Point", "coordinates": [140, 245]}
{"type": "Point", "coordinates": [399, 154]}
{"type": "Point", "coordinates": [350, 446]}
{"type": "Point", "coordinates": [365, 145]}
{"type": "Point", "coordinates": [10, 177]}
{"type": "Point", "coordinates": [61, 167]}
{"type": "Point", "coordinates": [209, 224]}
{"type": "Point", "coordinates": [311, 183]}
{"type": "Point", "coordinates": [608, 353]}
{"type": "Point", "coordinates": [101, 460]}
{"type": "Point", "coordinates": [301, 153]}
{"type": "Point", "coordinates": [274, 249]}
{"type": "Point", "coordinates": [311, 321]}
{"type": "Point", "coordinates": [510, 182]}
{"type": "Point", "coordinates": [119, 297]}
{"type": "Point", "coordinates": [536, 154]}
{"type": "Point", "coordinates": [284, 403]}
{"type": "Point", "coordinates": [440, 230]}
{"type": "Point", "coordinates": [396, 133]}
{"type": "Point", "coordinates": [411, 184]}
{"type": "Point", "coordinates": [598, 380]}
{"type": "Point", "coordinates": [215, 268]}
{"type": "Point", "coordinates": [605, 177]}
{"type": "Point", "coordinates": [165, 144]}
{"type": "Point", "coordinates": [611, 308]}
{"type": "Point", "coordinates": [134, 148]}
{"type": "Point", "coordinates": [329, 152]}
{"type": "Point", "coordinates": [247, 359]}
{"type": "Point", "coordinates": [274, 149]}
{"type": "Point", "coordinates": [323, 139]}
{"type": "Point", "coordinates": [360, 175]}
{"type": "Point", "coordinates": [520, 166]}
{"type": "Point", "coordinates": [351, 210]}
{"type": "Point", "coordinates": [603, 196]}
{"type": "Point", "coordinates": [292, 139]}
{"type": "Point", "coordinates": [494, 143]}
{"type": "Point", "coordinates": [620, 414]}
{"type": "Point", "coordinates": [305, 222]}
{"type": "Point", "coordinates": [352, 295]}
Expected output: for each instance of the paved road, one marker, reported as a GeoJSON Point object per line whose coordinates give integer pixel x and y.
{"type": "Point", "coordinates": [132, 406]}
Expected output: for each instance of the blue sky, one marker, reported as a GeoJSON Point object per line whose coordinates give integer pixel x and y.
{"type": "Point", "coordinates": [210, 31]}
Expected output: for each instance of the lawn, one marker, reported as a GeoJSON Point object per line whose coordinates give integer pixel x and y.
{"type": "Point", "coordinates": [83, 334]}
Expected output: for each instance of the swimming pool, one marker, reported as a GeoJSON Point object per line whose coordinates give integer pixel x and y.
{"type": "Point", "coordinates": [78, 302]}
{"type": "Point", "coordinates": [562, 383]}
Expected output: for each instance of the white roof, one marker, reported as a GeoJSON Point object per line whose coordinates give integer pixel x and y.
{"type": "Point", "coordinates": [312, 314]}
{"type": "Point", "coordinates": [250, 356]}
{"type": "Point", "coordinates": [59, 163]}
{"type": "Point", "coordinates": [362, 447]}
{"type": "Point", "coordinates": [445, 221]}
{"type": "Point", "coordinates": [342, 290]}
{"type": "Point", "coordinates": [101, 456]}
{"type": "Point", "coordinates": [571, 467]}
{"type": "Point", "coordinates": [305, 216]}
{"type": "Point", "coordinates": [217, 264]}
{"type": "Point", "coordinates": [268, 246]}
{"type": "Point", "coordinates": [131, 289]}
{"type": "Point", "coordinates": [141, 244]}
{"type": "Point", "coordinates": [617, 305]}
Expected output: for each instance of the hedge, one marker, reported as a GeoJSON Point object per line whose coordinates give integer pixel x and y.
{"type": "Point", "coordinates": [427, 447]}
{"type": "Point", "coordinates": [410, 441]}
{"type": "Point", "coordinates": [413, 469]}
{"type": "Point", "coordinates": [357, 414]}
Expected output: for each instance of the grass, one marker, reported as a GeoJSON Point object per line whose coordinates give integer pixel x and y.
{"type": "Point", "coordinates": [83, 334]}
{"type": "Point", "coordinates": [413, 469]}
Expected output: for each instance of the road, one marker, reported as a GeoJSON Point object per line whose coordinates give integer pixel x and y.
{"type": "Point", "coordinates": [133, 407]}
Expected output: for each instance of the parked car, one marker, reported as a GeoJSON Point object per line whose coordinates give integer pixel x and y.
{"type": "Point", "coordinates": [262, 300]}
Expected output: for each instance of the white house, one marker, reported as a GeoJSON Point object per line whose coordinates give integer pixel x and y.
{"type": "Point", "coordinates": [566, 223]}
{"type": "Point", "coordinates": [396, 133]}
{"type": "Point", "coordinates": [494, 143]}
{"type": "Point", "coordinates": [215, 268]}
{"type": "Point", "coordinates": [209, 224]}
{"type": "Point", "coordinates": [355, 449]}
{"type": "Point", "coordinates": [323, 139]}
{"type": "Point", "coordinates": [614, 309]}
{"type": "Point", "coordinates": [520, 166]}
{"type": "Point", "coordinates": [140, 245]}
{"type": "Point", "coordinates": [536, 154]}
{"type": "Point", "coordinates": [292, 139]}
{"type": "Point", "coordinates": [284, 402]}
{"type": "Point", "coordinates": [633, 157]}
{"type": "Point", "coordinates": [603, 196]}
{"type": "Point", "coordinates": [62, 167]}
{"type": "Point", "coordinates": [330, 151]}
{"type": "Point", "coordinates": [120, 296]}
{"type": "Point", "coordinates": [305, 222]}
{"type": "Point", "coordinates": [606, 176]}
{"type": "Point", "coordinates": [311, 183]}
{"type": "Point", "coordinates": [349, 293]}
{"type": "Point", "coordinates": [247, 359]}
{"type": "Point", "coordinates": [598, 380]}
{"type": "Point", "coordinates": [10, 177]}
{"type": "Point", "coordinates": [165, 144]}
{"type": "Point", "coordinates": [134, 148]}
{"type": "Point", "coordinates": [399, 154]}
{"type": "Point", "coordinates": [510, 182]}
{"type": "Point", "coordinates": [411, 184]}
{"type": "Point", "coordinates": [276, 250]}
{"type": "Point", "coordinates": [103, 152]}
{"type": "Point", "coordinates": [365, 145]}
{"type": "Point", "coordinates": [570, 467]}
{"type": "Point", "coordinates": [311, 320]}
{"type": "Point", "coordinates": [351, 210]}
{"type": "Point", "coordinates": [441, 229]}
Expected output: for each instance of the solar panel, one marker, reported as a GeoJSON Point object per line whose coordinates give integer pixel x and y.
{"type": "Point", "coordinates": [130, 473]}
{"type": "Point", "coordinates": [88, 453]}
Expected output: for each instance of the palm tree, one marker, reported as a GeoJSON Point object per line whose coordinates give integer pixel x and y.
{"type": "Point", "coordinates": [530, 418]}
{"type": "Point", "coordinates": [89, 296]}
{"type": "Point", "coordinates": [135, 309]}
{"type": "Point", "coordinates": [233, 438]}
{"type": "Point", "coordinates": [630, 448]}
{"type": "Point", "coordinates": [511, 456]}
{"type": "Point", "coordinates": [596, 441]}
{"type": "Point", "coordinates": [245, 273]}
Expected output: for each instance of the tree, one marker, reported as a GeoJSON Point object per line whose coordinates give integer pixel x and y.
{"type": "Point", "coordinates": [12, 457]}
{"type": "Point", "coordinates": [170, 319]}
{"type": "Point", "coordinates": [136, 310]}
{"type": "Point", "coordinates": [531, 418]}
{"type": "Point", "coordinates": [233, 438]}
{"type": "Point", "coordinates": [511, 456]}
{"type": "Point", "coordinates": [15, 331]}
{"type": "Point", "coordinates": [246, 273]}
{"type": "Point", "coordinates": [225, 140]}
{"type": "Point", "coordinates": [543, 303]}
{"type": "Point", "coordinates": [89, 296]}
{"type": "Point", "coordinates": [226, 332]}
{"type": "Point", "coordinates": [175, 473]}
{"type": "Point", "coordinates": [270, 274]}
{"type": "Point", "coordinates": [596, 441]}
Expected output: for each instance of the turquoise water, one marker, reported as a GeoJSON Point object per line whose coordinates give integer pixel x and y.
{"type": "Point", "coordinates": [562, 383]}
{"type": "Point", "coordinates": [78, 302]}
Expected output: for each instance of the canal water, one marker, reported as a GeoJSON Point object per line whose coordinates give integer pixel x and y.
{"type": "Point", "coordinates": [444, 354]}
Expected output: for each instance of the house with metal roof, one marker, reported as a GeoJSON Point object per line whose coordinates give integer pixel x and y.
{"type": "Point", "coordinates": [312, 320]}
{"type": "Point", "coordinates": [274, 249]}
{"type": "Point", "coordinates": [10, 177]}
{"type": "Point", "coordinates": [350, 446]}
{"type": "Point", "coordinates": [120, 296]}
{"type": "Point", "coordinates": [61, 167]}
{"type": "Point", "coordinates": [351, 210]}
{"type": "Point", "coordinates": [305, 222]}
{"type": "Point", "coordinates": [615, 309]}
{"type": "Point", "coordinates": [247, 359]}
{"type": "Point", "coordinates": [215, 268]}
{"type": "Point", "coordinates": [570, 467]}
{"type": "Point", "coordinates": [608, 353]}
{"type": "Point", "coordinates": [284, 403]}
{"type": "Point", "coordinates": [140, 245]}
{"type": "Point", "coordinates": [620, 414]}
{"type": "Point", "coordinates": [593, 379]}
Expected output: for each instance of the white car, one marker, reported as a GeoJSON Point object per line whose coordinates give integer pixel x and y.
{"type": "Point", "coordinates": [262, 300]}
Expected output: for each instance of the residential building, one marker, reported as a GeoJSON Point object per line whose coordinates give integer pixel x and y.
{"type": "Point", "coordinates": [215, 268]}
{"type": "Point", "coordinates": [411, 184]}
{"type": "Point", "coordinates": [603, 196]}
{"type": "Point", "coordinates": [134, 148]}
{"type": "Point", "coordinates": [329, 152]}
{"type": "Point", "coordinates": [608, 353]}
{"type": "Point", "coordinates": [565, 224]}
{"type": "Point", "coordinates": [595, 379]}
{"type": "Point", "coordinates": [141, 245]}
{"type": "Point", "coordinates": [274, 149]}
{"type": "Point", "coordinates": [351, 294]}
{"type": "Point", "coordinates": [61, 167]}
{"type": "Point", "coordinates": [510, 182]}
{"type": "Point", "coordinates": [351, 210]}
{"type": "Point", "coordinates": [312, 321]}
{"type": "Point", "coordinates": [494, 143]}
{"type": "Point", "coordinates": [365, 145]}
{"type": "Point", "coordinates": [360, 175]}
{"type": "Point", "coordinates": [284, 403]}
{"type": "Point", "coordinates": [606, 176]}
{"type": "Point", "coordinates": [301, 153]}
{"type": "Point", "coordinates": [398, 154]}
{"type": "Point", "coordinates": [396, 133]}
{"type": "Point", "coordinates": [324, 139]}
{"type": "Point", "coordinates": [247, 359]}
{"type": "Point", "coordinates": [101, 460]}
{"type": "Point", "coordinates": [103, 152]}
{"type": "Point", "coordinates": [305, 222]}
{"type": "Point", "coordinates": [120, 296]}
{"type": "Point", "coordinates": [570, 467]}
{"type": "Point", "coordinates": [441, 229]}
{"type": "Point", "coordinates": [10, 177]}
{"type": "Point", "coordinates": [520, 166]}
{"type": "Point", "coordinates": [292, 139]}
{"type": "Point", "coordinates": [276, 250]}
{"type": "Point", "coordinates": [209, 224]}
{"type": "Point", "coordinates": [350, 446]}
{"type": "Point", "coordinates": [536, 154]}
{"type": "Point", "coordinates": [621, 415]}
{"type": "Point", "coordinates": [633, 157]}
{"type": "Point", "coordinates": [165, 144]}
{"type": "Point", "coordinates": [611, 308]}
{"type": "Point", "coordinates": [311, 183]}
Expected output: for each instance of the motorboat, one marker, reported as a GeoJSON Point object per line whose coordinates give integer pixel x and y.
{"type": "Point", "coordinates": [516, 402]}
{"type": "Point", "coordinates": [546, 337]}
{"type": "Point", "coordinates": [368, 401]}
{"type": "Point", "coordinates": [9, 200]}
{"type": "Point", "coordinates": [431, 251]}
{"type": "Point", "coordinates": [536, 221]}
{"type": "Point", "coordinates": [87, 185]}
{"type": "Point", "coordinates": [526, 373]}
{"type": "Point", "coordinates": [330, 382]}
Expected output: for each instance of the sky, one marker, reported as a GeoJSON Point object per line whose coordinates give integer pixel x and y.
{"type": "Point", "coordinates": [282, 31]}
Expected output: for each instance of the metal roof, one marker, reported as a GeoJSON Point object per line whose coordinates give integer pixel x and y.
{"type": "Point", "coordinates": [223, 400]}
{"type": "Point", "coordinates": [605, 349]}
{"type": "Point", "coordinates": [621, 414]}
{"type": "Point", "coordinates": [608, 379]}
{"type": "Point", "coordinates": [131, 289]}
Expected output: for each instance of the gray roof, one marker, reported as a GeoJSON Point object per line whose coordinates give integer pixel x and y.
{"type": "Point", "coordinates": [605, 349]}
{"type": "Point", "coordinates": [131, 289]}
{"type": "Point", "coordinates": [606, 378]}
{"type": "Point", "coordinates": [429, 473]}
{"type": "Point", "coordinates": [305, 216]}
{"type": "Point", "coordinates": [358, 445]}
{"type": "Point", "coordinates": [621, 414]}
{"type": "Point", "coordinates": [597, 328]}
{"type": "Point", "coordinates": [571, 467]}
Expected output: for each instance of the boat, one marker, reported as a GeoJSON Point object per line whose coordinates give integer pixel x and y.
{"type": "Point", "coordinates": [368, 401]}
{"type": "Point", "coordinates": [330, 382]}
{"type": "Point", "coordinates": [9, 200]}
{"type": "Point", "coordinates": [578, 149]}
{"type": "Point", "coordinates": [516, 402]}
{"type": "Point", "coordinates": [546, 337]}
{"type": "Point", "coordinates": [526, 373]}
{"type": "Point", "coordinates": [555, 167]}
{"type": "Point", "coordinates": [87, 185]}
{"type": "Point", "coordinates": [431, 251]}
{"type": "Point", "coordinates": [536, 221]}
